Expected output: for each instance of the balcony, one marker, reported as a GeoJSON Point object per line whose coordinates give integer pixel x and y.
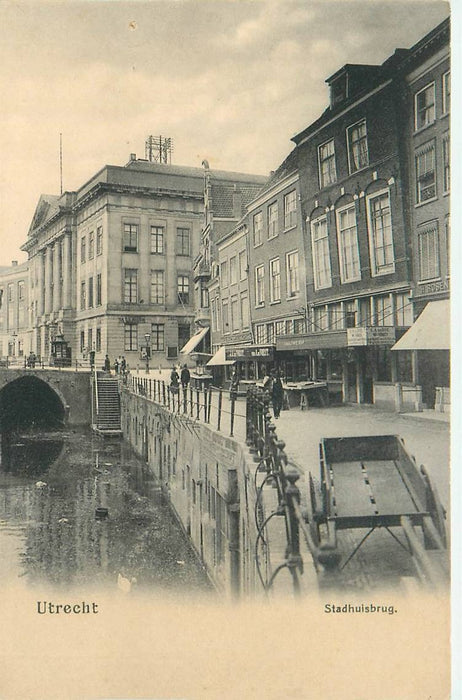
{"type": "Point", "coordinates": [202, 315]}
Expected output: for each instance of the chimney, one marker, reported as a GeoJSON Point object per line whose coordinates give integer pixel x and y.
{"type": "Point", "coordinates": [237, 202]}
{"type": "Point", "coordinates": [132, 156]}
{"type": "Point", "coordinates": [14, 263]}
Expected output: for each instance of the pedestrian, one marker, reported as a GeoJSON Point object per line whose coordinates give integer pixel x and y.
{"type": "Point", "coordinates": [107, 364]}
{"type": "Point", "coordinates": [277, 395]}
{"type": "Point", "coordinates": [185, 377]}
{"type": "Point", "coordinates": [267, 382]}
{"type": "Point", "coordinates": [123, 365]}
{"type": "Point", "coordinates": [234, 386]}
{"type": "Point", "coordinates": [174, 380]}
{"type": "Point", "coordinates": [116, 366]}
{"type": "Point", "coordinates": [92, 359]}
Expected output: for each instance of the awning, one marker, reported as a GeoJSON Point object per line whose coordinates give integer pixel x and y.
{"type": "Point", "coordinates": [194, 341]}
{"type": "Point", "coordinates": [220, 358]}
{"type": "Point", "coordinates": [430, 331]}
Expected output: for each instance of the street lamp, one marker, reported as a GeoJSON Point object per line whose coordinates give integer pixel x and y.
{"type": "Point", "coordinates": [148, 350]}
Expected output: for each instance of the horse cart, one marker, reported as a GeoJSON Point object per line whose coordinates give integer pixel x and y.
{"type": "Point", "coordinates": [371, 482]}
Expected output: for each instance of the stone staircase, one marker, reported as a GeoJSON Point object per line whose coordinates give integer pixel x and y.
{"type": "Point", "coordinates": [108, 417]}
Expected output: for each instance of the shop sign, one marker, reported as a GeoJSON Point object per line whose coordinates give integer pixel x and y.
{"type": "Point", "coordinates": [249, 353]}
{"type": "Point", "coordinates": [371, 335]}
{"type": "Point", "coordinates": [432, 288]}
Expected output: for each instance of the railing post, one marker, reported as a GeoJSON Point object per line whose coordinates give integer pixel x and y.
{"type": "Point", "coordinates": [191, 400]}
{"type": "Point", "coordinates": [209, 404]}
{"type": "Point", "coordinates": [233, 403]}
{"type": "Point", "coordinates": [205, 404]}
{"type": "Point", "coordinates": [197, 404]}
{"type": "Point", "coordinates": [164, 401]}
{"type": "Point", "coordinates": [185, 399]}
{"type": "Point", "coordinates": [220, 401]}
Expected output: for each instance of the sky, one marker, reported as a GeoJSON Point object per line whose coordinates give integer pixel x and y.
{"type": "Point", "coordinates": [230, 81]}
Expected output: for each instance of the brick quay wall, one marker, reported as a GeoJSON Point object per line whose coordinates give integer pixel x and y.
{"type": "Point", "coordinates": [209, 480]}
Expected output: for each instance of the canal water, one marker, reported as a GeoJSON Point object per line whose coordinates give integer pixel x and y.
{"type": "Point", "coordinates": [51, 486]}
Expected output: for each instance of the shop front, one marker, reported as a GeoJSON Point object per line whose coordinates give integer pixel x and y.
{"type": "Point", "coordinates": [251, 362]}
{"type": "Point", "coordinates": [355, 362]}
{"type": "Point", "coordinates": [428, 343]}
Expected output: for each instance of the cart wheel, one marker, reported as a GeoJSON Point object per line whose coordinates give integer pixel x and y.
{"type": "Point", "coordinates": [329, 557]}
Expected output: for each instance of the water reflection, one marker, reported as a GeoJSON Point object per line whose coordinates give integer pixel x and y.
{"type": "Point", "coordinates": [49, 491]}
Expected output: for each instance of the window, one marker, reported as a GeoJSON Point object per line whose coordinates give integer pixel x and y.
{"type": "Point", "coordinates": [292, 274]}
{"type": "Point", "coordinates": [204, 297]}
{"type": "Point", "coordinates": [380, 233]}
{"type": "Point", "coordinates": [243, 265]}
{"type": "Point", "coordinates": [425, 172]}
{"type": "Point", "coordinates": [225, 317]}
{"type": "Point", "coordinates": [83, 295]}
{"type": "Point", "coordinates": [348, 245]}
{"type": "Point", "coordinates": [279, 328]}
{"type": "Point", "coordinates": [446, 92]}
{"type": "Point", "coordinates": [182, 241]}
{"type": "Point", "coordinates": [157, 337]}
{"type": "Point", "coordinates": [91, 245]}
{"type": "Point", "coordinates": [383, 314]}
{"type": "Point", "coordinates": [275, 280]}
{"type": "Point", "coordinates": [157, 286]}
{"type": "Point", "coordinates": [446, 164]}
{"type": "Point", "coordinates": [403, 310]}
{"type": "Point", "coordinates": [21, 291]}
{"type": "Point", "coordinates": [90, 339]}
{"type": "Point", "coordinates": [290, 209]}
{"type": "Point", "coordinates": [131, 336]}
{"type": "Point", "coordinates": [335, 317]}
{"type": "Point", "coordinates": [224, 274]}
{"type": "Point", "coordinates": [82, 341]}
{"type": "Point", "coordinates": [260, 333]}
{"type": "Point", "coordinates": [289, 326]}
{"type": "Point", "coordinates": [259, 285]}
{"type": "Point", "coordinates": [233, 270]}
{"type": "Point", "coordinates": [157, 240]}
{"type": "Point", "coordinates": [183, 289]}
{"type": "Point", "coordinates": [320, 318]}
{"type": "Point", "coordinates": [245, 312]}
{"type": "Point", "coordinates": [98, 339]}
{"type": "Point", "coordinates": [273, 216]}
{"type": "Point", "coordinates": [425, 106]}
{"type": "Point", "coordinates": [358, 154]}
{"type": "Point", "coordinates": [98, 290]}
{"type": "Point", "coordinates": [350, 314]}
{"type": "Point", "coordinates": [326, 159]}
{"type": "Point", "coordinates": [320, 252]}
{"type": "Point", "coordinates": [90, 293]}
{"type": "Point", "coordinates": [130, 286]}
{"type": "Point", "coordinates": [130, 238]}
{"type": "Point", "coordinates": [83, 248]}
{"type": "Point", "coordinates": [99, 240]}
{"type": "Point", "coordinates": [258, 229]}
{"type": "Point", "coordinates": [428, 247]}
{"type": "Point", "coordinates": [270, 337]}
{"type": "Point", "coordinates": [234, 314]}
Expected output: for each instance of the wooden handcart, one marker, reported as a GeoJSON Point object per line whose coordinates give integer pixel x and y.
{"type": "Point", "coordinates": [372, 482]}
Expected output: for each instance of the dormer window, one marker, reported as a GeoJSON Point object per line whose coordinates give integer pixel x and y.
{"type": "Point", "coordinates": [339, 90]}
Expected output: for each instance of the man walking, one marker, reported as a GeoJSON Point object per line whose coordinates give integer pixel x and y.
{"type": "Point", "coordinates": [185, 377]}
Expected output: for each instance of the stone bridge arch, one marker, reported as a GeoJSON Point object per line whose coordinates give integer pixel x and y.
{"type": "Point", "coordinates": [48, 397]}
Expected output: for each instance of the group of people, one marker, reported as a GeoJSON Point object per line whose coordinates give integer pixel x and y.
{"type": "Point", "coordinates": [120, 365]}
{"type": "Point", "coordinates": [184, 377]}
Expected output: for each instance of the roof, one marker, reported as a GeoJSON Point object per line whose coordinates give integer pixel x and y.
{"type": "Point", "coordinates": [223, 194]}
{"type": "Point", "coordinates": [192, 171]}
{"type": "Point", "coordinates": [46, 209]}
{"type": "Point", "coordinates": [288, 166]}
{"type": "Point", "coordinates": [375, 75]}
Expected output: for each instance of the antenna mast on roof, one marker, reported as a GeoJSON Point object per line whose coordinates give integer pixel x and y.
{"type": "Point", "coordinates": [159, 149]}
{"type": "Point", "coordinates": [61, 162]}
